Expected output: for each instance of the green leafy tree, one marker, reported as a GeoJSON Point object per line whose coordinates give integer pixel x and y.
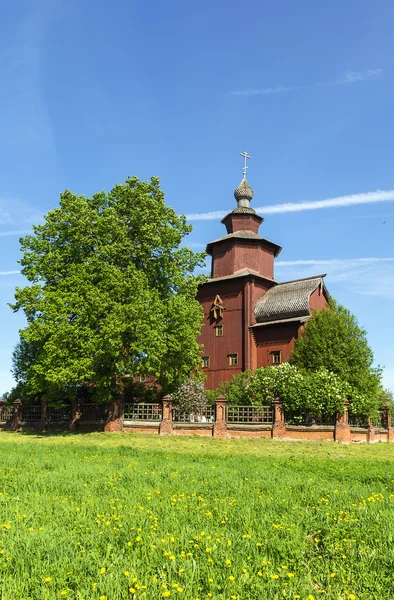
{"type": "Point", "coordinates": [111, 293]}
{"type": "Point", "coordinates": [284, 381]}
{"type": "Point", "coordinates": [333, 340]}
{"type": "Point", "coordinates": [236, 391]}
{"type": "Point", "coordinates": [386, 399]}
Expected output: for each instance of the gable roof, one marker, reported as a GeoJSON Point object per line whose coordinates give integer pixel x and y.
{"type": "Point", "coordinates": [288, 300]}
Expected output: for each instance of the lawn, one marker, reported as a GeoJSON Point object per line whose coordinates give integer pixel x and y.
{"type": "Point", "coordinates": [110, 517]}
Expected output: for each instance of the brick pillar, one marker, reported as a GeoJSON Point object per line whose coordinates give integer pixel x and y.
{"type": "Point", "coordinates": [371, 432]}
{"type": "Point", "coordinates": [75, 414]}
{"type": "Point", "coordinates": [279, 426]}
{"type": "Point", "coordinates": [220, 425]}
{"type": "Point", "coordinates": [166, 422]}
{"type": "Point", "coordinates": [44, 414]}
{"type": "Point", "coordinates": [17, 416]}
{"type": "Point", "coordinates": [342, 429]}
{"type": "Point", "coordinates": [388, 426]}
{"type": "Point", "coordinates": [115, 416]}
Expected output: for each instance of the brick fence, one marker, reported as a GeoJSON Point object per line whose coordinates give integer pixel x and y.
{"type": "Point", "coordinates": [220, 421]}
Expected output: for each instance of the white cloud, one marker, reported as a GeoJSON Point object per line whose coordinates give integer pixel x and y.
{"type": "Point", "coordinates": [9, 272]}
{"type": "Point", "coordinates": [18, 212]}
{"type": "Point", "coordinates": [339, 201]}
{"type": "Point", "coordinates": [353, 76]}
{"type": "Point", "coordinates": [346, 78]}
{"type": "Point", "coordinates": [280, 89]}
{"type": "Point", "coordinates": [341, 262]}
{"type": "Point", "coordinates": [371, 276]}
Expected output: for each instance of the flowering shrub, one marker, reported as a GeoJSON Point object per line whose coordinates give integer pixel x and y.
{"type": "Point", "coordinates": [316, 393]}
{"type": "Point", "coordinates": [319, 392]}
{"type": "Point", "coordinates": [190, 397]}
{"type": "Point", "coordinates": [285, 381]}
{"type": "Point", "coordinates": [325, 392]}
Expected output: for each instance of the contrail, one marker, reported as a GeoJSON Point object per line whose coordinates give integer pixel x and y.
{"type": "Point", "coordinates": [9, 272]}
{"type": "Point", "coordinates": [332, 261]}
{"type": "Point", "coordinates": [348, 200]}
{"type": "Point", "coordinates": [345, 79]}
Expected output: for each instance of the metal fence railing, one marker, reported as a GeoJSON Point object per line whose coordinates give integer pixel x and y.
{"type": "Point", "coordinates": [92, 413]}
{"type": "Point", "coordinates": [250, 414]}
{"type": "Point", "coordinates": [143, 412]}
{"type": "Point", "coordinates": [358, 421]}
{"type": "Point", "coordinates": [60, 415]}
{"type": "Point", "coordinates": [31, 413]}
{"type": "Point", "coordinates": [309, 420]}
{"type": "Point", "coordinates": [380, 422]}
{"type": "Point", "coordinates": [205, 415]}
{"type": "Point", "coordinates": [6, 413]}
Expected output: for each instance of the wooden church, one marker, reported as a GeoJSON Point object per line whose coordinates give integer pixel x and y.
{"type": "Point", "coordinates": [250, 319]}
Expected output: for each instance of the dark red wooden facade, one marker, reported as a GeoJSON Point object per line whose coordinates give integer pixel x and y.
{"type": "Point", "coordinates": [243, 271]}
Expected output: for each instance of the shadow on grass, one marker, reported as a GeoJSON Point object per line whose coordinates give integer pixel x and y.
{"type": "Point", "coordinates": [65, 433]}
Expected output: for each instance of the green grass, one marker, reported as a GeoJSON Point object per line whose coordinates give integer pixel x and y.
{"type": "Point", "coordinates": [124, 516]}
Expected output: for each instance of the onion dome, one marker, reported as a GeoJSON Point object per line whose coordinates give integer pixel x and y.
{"type": "Point", "coordinates": [243, 194]}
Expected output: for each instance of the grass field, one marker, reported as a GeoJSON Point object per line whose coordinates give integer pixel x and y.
{"type": "Point", "coordinates": [101, 516]}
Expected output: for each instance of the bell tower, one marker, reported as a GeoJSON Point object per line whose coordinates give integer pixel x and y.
{"type": "Point", "coordinates": [242, 271]}
{"type": "Point", "coordinates": [242, 247]}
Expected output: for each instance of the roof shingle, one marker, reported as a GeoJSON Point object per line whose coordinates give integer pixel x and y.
{"type": "Point", "coordinates": [287, 300]}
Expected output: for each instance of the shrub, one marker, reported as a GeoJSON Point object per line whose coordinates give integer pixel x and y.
{"type": "Point", "coordinates": [190, 397]}
{"type": "Point", "coordinates": [236, 391]}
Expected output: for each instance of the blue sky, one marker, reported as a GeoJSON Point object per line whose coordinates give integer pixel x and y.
{"type": "Point", "coordinates": [91, 92]}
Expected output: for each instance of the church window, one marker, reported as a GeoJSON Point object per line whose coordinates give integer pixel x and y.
{"type": "Point", "coordinates": [276, 357]}
{"type": "Point", "coordinates": [219, 330]}
{"type": "Point", "coordinates": [233, 360]}
{"type": "Point", "coordinates": [205, 362]}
